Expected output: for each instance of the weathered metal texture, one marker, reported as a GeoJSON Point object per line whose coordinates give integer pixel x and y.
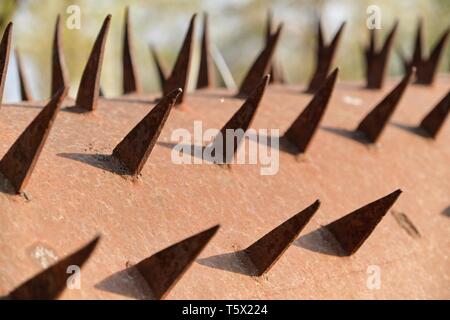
{"type": "Point", "coordinates": [260, 66]}
{"type": "Point", "coordinates": [89, 88]}
{"type": "Point", "coordinates": [130, 77]}
{"type": "Point", "coordinates": [51, 282]}
{"type": "Point", "coordinates": [162, 270]}
{"type": "Point", "coordinates": [206, 74]}
{"type": "Point", "coordinates": [303, 128]}
{"type": "Point", "coordinates": [59, 70]}
{"type": "Point", "coordinates": [276, 70]}
{"type": "Point", "coordinates": [25, 92]}
{"type": "Point", "coordinates": [5, 46]}
{"type": "Point", "coordinates": [324, 57]}
{"type": "Point", "coordinates": [162, 73]}
{"type": "Point", "coordinates": [377, 60]}
{"type": "Point", "coordinates": [435, 119]}
{"type": "Point", "coordinates": [180, 72]}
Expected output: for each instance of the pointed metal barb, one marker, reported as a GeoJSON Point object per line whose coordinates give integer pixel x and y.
{"type": "Point", "coordinates": [276, 72]}
{"type": "Point", "coordinates": [206, 75]}
{"type": "Point", "coordinates": [353, 229]}
{"type": "Point", "coordinates": [50, 283]}
{"type": "Point", "coordinates": [261, 65]}
{"type": "Point", "coordinates": [434, 120]}
{"type": "Point", "coordinates": [134, 150]}
{"type": "Point", "coordinates": [418, 46]}
{"type": "Point", "coordinates": [162, 270]}
{"type": "Point", "coordinates": [302, 130]}
{"type": "Point", "coordinates": [325, 57]}
{"type": "Point", "coordinates": [377, 61]}
{"type": "Point", "coordinates": [89, 90]}
{"type": "Point", "coordinates": [131, 81]}
{"type": "Point", "coordinates": [267, 250]}
{"type": "Point", "coordinates": [25, 91]}
{"type": "Point", "coordinates": [180, 72]}
{"type": "Point", "coordinates": [18, 163]}
{"type": "Point", "coordinates": [241, 120]}
{"type": "Point", "coordinates": [375, 121]}
{"type": "Point", "coordinates": [5, 46]}
{"type": "Point", "coordinates": [59, 70]}
{"type": "Point", "coordinates": [162, 73]}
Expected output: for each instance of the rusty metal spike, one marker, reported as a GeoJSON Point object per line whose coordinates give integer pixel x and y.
{"type": "Point", "coordinates": [162, 73]}
{"type": "Point", "coordinates": [377, 61]}
{"type": "Point", "coordinates": [418, 46]}
{"type": "Point", "coordinates": [374, 122]}
{"type": "Point", "coordinates": [354, 228]}
{"type": "Point", "coordinates": [276, 71]}
{"type": "Point", "coordinates": [325, 57]}
{"type": "Point", "coordinates": [18, 163]}
{"type": "Point", "coordinates": [134, 150]}
{"type": "Point", "coordinates": [267, 250]}
{"type": "Point", "coordinates": [206, 76]}
{"type": "Point", "coordinates": [59, 70]}
{"type": "Point", "coordinates": [25, 92]}
{"type": "Point", "coordinates": [303, 128]}
{"type": "Point", "coordinates": [88, 90]}
{"type": "Point", "coordinates": [180, 72]}
{"type": "Point", "coordinates": [131, 81]}
{"type": "Point", "coordinates": [51, 282]}
{"type": "Point", "coordinates": [261, 65]}
{"type": "Point", "coordinates": [5, 46]}
{"type": "Point", "coordinates": [162, 270]}
{"type": "Point", "coordinates": [434, 120]}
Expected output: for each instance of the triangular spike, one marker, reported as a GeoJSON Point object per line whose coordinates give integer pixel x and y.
{"type": "Point", "coordinates": [324, 60]}
{"type": "Point", "coordinates": [434, 120]}
{"type": "Point", "coordinates": [206, 76]}
{"type": "Point", "coordinates": [276, 71]}
{"type": "Point", "coordinates": [353, 229]}
{"type": "Point", "coordinates": [25, 91]}
{"type": "Point", "coordinates": [261, 65]}
{"type": "Point", "coordinates": [59, 70]}
{"type": "Point", "coordinates": [373, 124]}
{"type": "Point", "coordinates": [241, 120]}
{"type": "Point", "coordinates": [180, 72]}
{"type": "Point", "coordinates": [134, 150]}
{"type": "Point", "coordinates": [131, 81]}
{"type": "Point", "coordinates": [5, 46]}
{"type": "Point", "coordinates": [88, 90]}
{"type": "Point", "coordinates": [162, 270]}
{"type": "Point", "coordinates": [162, 73]}
{"type": "Point", "coordinates": [268, 249]}
{"type": "Point", "coordinates": [418, 46]}
{"type": "Point", "coordinates": [18, 163]}
{"type": "Point", "coordinates": [51, 282]}
{"type": "Point", "coordinates": [303, 128]}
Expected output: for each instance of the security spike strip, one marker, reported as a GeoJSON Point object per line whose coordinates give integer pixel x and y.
{"type": "Point", "coordinates": [134, 150]}
{"type": "Point", "coordinates": [180, 72]}
{"type": "Point", "coordinates": [25, 92]}
{"type": "Point", "coordinates": [434, 120]}
{"type": "Point", "coordinates": [374, 122]}
{"type": "Point", "coordinates": [377, 61]}
{"type": "Point", "coordinates": [59, 70]}
{"type": "Point", "coordinates": [5, 46]}
{"type": "Point", "coordinates": [162, 73]}
{"type": "Point", "coordinates": [353, 229]}
{"type": "Point", "coordinates": [325, 57]}
{"type": "Point", "coordinates": [18, 163]}
{"type": "Point", "coordinates": [162, 270]}
{"type": "Point", "coordinates": [206, 74]}
{"type": "Point", "coordinates": [302, 130]}
{"type": "Point", "coordinates": [89, 88]}
{"type": "Point", "coordinates": [51, 282]}
{"type": "Point", "coordinates": [261, 65]}
{"type": "Point", "coordinates": [265, 252]}
{"type": "Point", "coordinates": [131, 83]}
{"type": "Point", "coordinates": [242, 119]}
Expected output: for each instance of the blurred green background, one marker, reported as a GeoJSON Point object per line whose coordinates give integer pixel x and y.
{"type": "Point", "coordinates": [237, 29]}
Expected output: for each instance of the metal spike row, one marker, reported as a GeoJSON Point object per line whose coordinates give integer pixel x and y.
{"type": "Point", "coordinates": [162, 73]}
{"type": "Point", "coordinates": [434, 120]}
{"type": "Point", "coordinates": [180, 72]}
{"type": "Point", "coordinates": [25, 92]}
{"type": "Point", "coordinates": [134, 150]}
{"type": "Point", "coordinates": [301, 131]}
{"type": "Point", "coordinates": [89, 88]}
{"type": "Point", "coordinates": [267, 250]}
{"type": "Point", "coordinates": [131, 83]}
{"type": "Point", "coordinates": [206, 75]}
{"type": "Point", "coordinates": [50, 283]}
{"type": "Point", "coordinates": [325, 57]}
{"type": "Point", "coordinates": [162, 270]}
{"type": "Point", "coordinates": [373, 124]}
{"type": "Point", "coordinates": [59, 70]}
{"type": "Point", "coordinates": [261, 65]}
{"type": "Point", "coordinates": [377, 61]}
{"type": "Point", "coordinates": [5, 46]}
{"type": "Point", "coordinates": [353, 229]}
{"type": "Point", "coordinates": [276, 71]}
